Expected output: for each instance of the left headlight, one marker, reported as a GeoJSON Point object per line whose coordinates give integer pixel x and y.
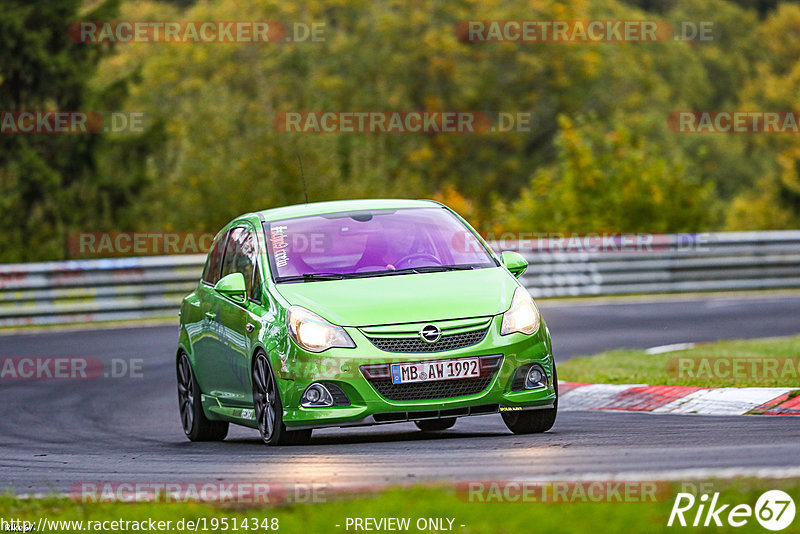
{"type": "Point", "coordinates": [522, 316]}
{"type": "Point", "coordinates": [313, 333]}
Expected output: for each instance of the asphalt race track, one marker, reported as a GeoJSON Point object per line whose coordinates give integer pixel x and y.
{"type": "Point", "coordinates": [56, 433]}
{"type": "Point", "coordinates": [587, 329]}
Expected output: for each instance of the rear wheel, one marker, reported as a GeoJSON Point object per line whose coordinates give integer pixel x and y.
{"type": "Point", "coordinates": [268, 407]}
{"type": "Point", "coordinates": [533, 421]}
{"type": "Point", "coordinates": [196, 425]}
{"type": "Point", "coordinates": [435, 425]}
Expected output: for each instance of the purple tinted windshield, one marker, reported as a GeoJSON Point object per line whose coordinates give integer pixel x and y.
{"type": "Point", "coordinates": [372, 242]}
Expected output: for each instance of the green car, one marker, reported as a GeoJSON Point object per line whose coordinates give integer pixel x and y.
{"type": "Point", "coordinates": [360, 312]}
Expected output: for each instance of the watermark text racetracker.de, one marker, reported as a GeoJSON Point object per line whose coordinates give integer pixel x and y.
{"type": "Point", "coordinates": [589, 242]}
{"type": "Point", "coordinates": [210, 492]}
{"type": "Point", "coordinates": [87, 244]}
{"type": "Point", "coordinates": [734, 121]}
{"type": "Point", "coordinates": [403, 122]}
{"type": "Point", "coordinates": [568, 491]}
{"type": "Point", "coordinates": [71, 122]}
{"type": "Point", "coordinates": [725, 368]}
{"type": "Point", "coordinates": [198, 32]}
{"type": "Point", "coordinates": [69, 368]}
{"type": "Point", "coordinates": [583, 31]}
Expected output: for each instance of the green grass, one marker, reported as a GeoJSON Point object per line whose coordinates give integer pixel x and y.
{"type": "Point", "coordinates": [422, 502]}
{"type": "Point", "coordinates": [637, 367]}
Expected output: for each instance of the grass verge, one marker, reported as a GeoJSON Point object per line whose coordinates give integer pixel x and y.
{"type": "Point", "coordinates": [735, 363]}
{"type": "Point", "coordinates": [413, 503]}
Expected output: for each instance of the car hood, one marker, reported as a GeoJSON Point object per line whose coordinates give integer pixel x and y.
{"type": "Point", "coordinates": [405, 298]}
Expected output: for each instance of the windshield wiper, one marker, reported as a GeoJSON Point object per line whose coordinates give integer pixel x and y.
{"type": "Point", "coordinates": [438, 268]}
{"type": "Point", "coordinates": [421, 270]}
{"type": "Point", "coordinates": [310, 277]}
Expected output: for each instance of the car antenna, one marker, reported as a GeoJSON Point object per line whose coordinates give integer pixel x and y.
{"type": "Point", "coordinates": [303, 176]}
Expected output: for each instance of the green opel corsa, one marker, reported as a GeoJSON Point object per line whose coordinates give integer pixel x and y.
{"type": "Point", "coordinates": [360, 312]}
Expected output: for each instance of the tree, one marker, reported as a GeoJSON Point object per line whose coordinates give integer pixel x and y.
{"type": "Point", "coordinates": [772, 200]}
{"type": "Point", "coordinates": [612, 180]}
{"type": "Point", "coordinates": [47, 181]}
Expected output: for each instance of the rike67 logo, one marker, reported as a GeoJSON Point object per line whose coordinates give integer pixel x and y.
{"type": "Point", "coordinates": [774, 510]}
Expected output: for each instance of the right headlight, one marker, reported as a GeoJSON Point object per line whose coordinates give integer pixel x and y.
{"type": "Point", "coordinates": [313, 333]}
{"type": "Point", "coordinates": [522, 316]}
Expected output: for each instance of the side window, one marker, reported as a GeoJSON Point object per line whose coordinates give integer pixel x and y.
{"type": "Point", "coordinates": [214, 261]}
{"type": "Point", "coordinates": [240, 257]}
{"type": "Point", "coordinates": [255, 292]}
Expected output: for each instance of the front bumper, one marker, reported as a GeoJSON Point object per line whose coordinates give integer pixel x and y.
{"type": "Point", "coordinates": [342, 367]}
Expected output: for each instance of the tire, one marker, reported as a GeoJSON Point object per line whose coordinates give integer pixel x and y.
{"type": "Point", "coordinates": [435, 425]}
{"type": "Point", "coordinates": [196, 425]}
{"type": "Point", "coordinates": [533, 421]}
{"type": "Point", "coordinates": [269, 409]}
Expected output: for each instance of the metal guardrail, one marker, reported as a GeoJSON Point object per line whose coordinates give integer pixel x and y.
{"type": "Point", "coordinates": [78, 291]}
{"type": "Point", "coordinates": [671, 263]}
{"type": "Point", "coordinates": [133, 288]}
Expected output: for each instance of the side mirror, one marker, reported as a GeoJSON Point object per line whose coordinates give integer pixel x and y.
{"type": "Point", "coordinates": [233, 287]}
{"type": "Point", "coordinates": [514, 262]}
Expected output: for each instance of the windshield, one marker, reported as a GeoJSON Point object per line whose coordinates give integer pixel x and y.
{"type": "Point", "coordinates": [372, 243]}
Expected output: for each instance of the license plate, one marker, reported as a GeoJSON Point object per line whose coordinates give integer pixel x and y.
{"type": "Point", "coordinates": [403, 373]}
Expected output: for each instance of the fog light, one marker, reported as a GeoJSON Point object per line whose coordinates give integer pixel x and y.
{"type": "Point", "coordinates": [316, 396]}
{"type": "Point", "coordinates": [535, 378]}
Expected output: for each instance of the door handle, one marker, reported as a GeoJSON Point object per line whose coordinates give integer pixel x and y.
{"type": "Point", "coordinates": [250, 327]}
{"type": "Point", "coordinates": [211, 315]}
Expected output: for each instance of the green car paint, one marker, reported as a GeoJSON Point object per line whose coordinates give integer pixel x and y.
{"type": "Point", "coordinates": [225, 325]}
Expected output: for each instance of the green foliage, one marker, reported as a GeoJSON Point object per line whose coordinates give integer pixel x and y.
{"type": "Point", "coordinates": [48, 183]}
{"type": "Point", "coordinates": [611, 180]}
{"type": "Point", "coordinates": [599, 155]}
{"type": "Point", "coordinates": [223, 156]}
{"type": "Point", "coordinates": [773, 200]}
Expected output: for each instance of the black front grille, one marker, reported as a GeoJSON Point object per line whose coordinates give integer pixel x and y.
{"type": "Point", "coordinates": [379, 377]}
{"type": "Point", "coordinates": [339, 397]}
{"type": "Point", "coordinates": [417, 344]}
{"type": "Point", "coordinates": [440, 389]}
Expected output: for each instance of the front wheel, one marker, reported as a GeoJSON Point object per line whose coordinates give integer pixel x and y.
{"type": "Point", "coordinates": [533, 421]}
{"type": "Point", "coordinates": [268, 407]}
{"type": "Point", "coordinates": [196, 425]}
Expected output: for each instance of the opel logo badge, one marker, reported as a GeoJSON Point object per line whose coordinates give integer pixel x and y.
{"type": "Point", "coordinates": [430, 333]}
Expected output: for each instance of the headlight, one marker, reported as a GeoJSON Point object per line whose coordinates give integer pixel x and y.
{"type": "Point", "coordinates": [313, 333]}
{"type": "Point", "coordinates": [522, 316]}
